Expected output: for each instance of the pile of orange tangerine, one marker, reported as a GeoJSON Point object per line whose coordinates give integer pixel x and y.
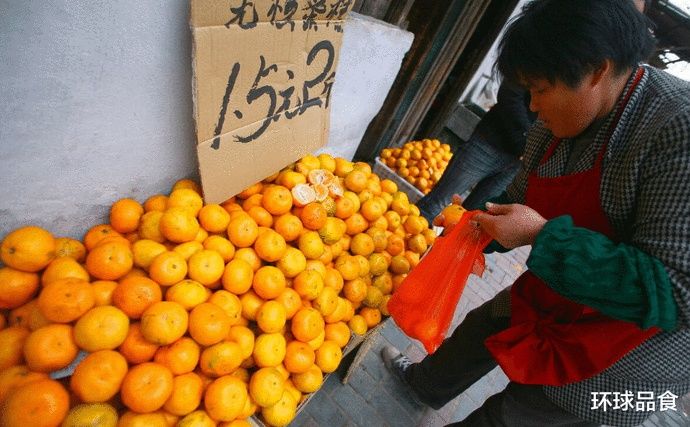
{"type": "Point", "coordinates": [421, 163]}
{"type": "Point", "coordinates": [202, 314]}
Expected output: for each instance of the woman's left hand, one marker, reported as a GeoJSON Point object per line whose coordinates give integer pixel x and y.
{"type": "Point", "coordinates": [510, 225]}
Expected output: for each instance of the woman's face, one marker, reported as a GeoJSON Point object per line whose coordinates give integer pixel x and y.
{"type": "Point", "coordinates": [564, 110]}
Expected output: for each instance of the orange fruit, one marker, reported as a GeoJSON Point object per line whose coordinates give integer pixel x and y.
{"type": "Point", "coordinates": [50, 348]}
{"type": "Point", "coordinates": [225, 398]}
{"type": "Point", "coordinates": [220, 244]}
{"type": "Point", "coordinates": [146, 387]}
{"type": "Point", "coordinates": [299, 357]}
{"type": "Point", "coordinates": [179, 357]}
{"type": "Point", "coordinates": [229, 303]}
{"type": "Point", "coordinates": [178, 225]}
{"type": "Point", "coordinates": [355, 290]}
{"type": "Point", "coordinates": [243, 231]}
{"type": "Point", "coordinates": [307, 324]}
{"type": "Point", "coordinates": [309, 381]}
{"type": "Point", "coordinates": [186, 395]}
{"type": "Point", "coordinates": [214, 218]}
{"type": "Point", "coordinates": [18, 287]}
{"type": "Point", "coordinates": [164, 322]}
{"type": "Point", "coordinates": [292, 263]}
{"type": "Point", "coordinates": [249, 255]}
{"type": "Point", "coordinates": [356, 224]}
{"type": "Point", "coordinates": [313, 216]}
{"type": "Point", "coordinates": [135, 347]}
{"type": "Point", "coordinates": [103, 291]}
{"type": "Point", "coordinates": [266, 386]}
{"type": "Point", "coordinates": [150, 419]}
{"type": "Point", "coordinates": [269, 350]}
{"type": "Point", "coordinates": [251, 201]}
{"type": "Point", "coordinates": [221, 359]}
{"type": "Point", "coordinates": [290, 300]}
{"type": "Point", "coordinates": [187, 249]}
{"type": "Point", "coordinates": [145, 251]}
{"type": "Point", "coordinates": [15, 376]}
{"type": "Point", "coordinates": [109, 261]}
{"type": "Point", "coordinates": [356, 181]}
{"type": "Point", "coordinates": [97, 233]}
{"type": "Point", "coordinates": [400, 265]}
{"type": "Point", "coordinates": [311, 245]}
{"type": "Point", "coordinates": [277, 200]}
{"type": "Point", "coordinates": [206, 267]}
{"type": "Point", "coordinates": [186, 183]}
{"type": "Point", "coordinates": [358, 325]}
{"type": "Point", "coordinates": [326, 301]}
{"type": "Point", "coordinates": [261, 216]}
{"type": "Point", "coordinates": [85, 414]}
{"type": "Point", "coordinates": [101, 328]}
{"type": "Point", "coordinates": [185, 198]}
{"type": "Point", "coordinates": [308, 284]}
{"type": "Point", "coordinates": [328, 356]}
{"type": "Point", "coordinates": [250, 304]}
{"type": "Point", "coordinates": [333, 279]}
{"type": "Point", "coordinates": [149, 227]}
{"type": "Point", "coordinates": [372, 316]}
{"type": "Point", "coordinates": [125, 215]}
{"type": "Point", "coordinates": [37, 403]}
{"type": "Point", "coordinates": [168, 268]}
{"type": "Point", "coordinates": [344, 208]}
{"type": "Point", "coordinates": [251, 190]}
{"type": "Point", "coordinates": [67, 247]}
{"type": "Point", "coordinates": [28, 249]}
{"type": "Point", "coordinates": [157, 202]}
{"type": "Point", "coordinates": [270, 246]}
{"type": "Point", "coordinates": [133, 295]}
{"type": "Point", "coordinates": [271, 317]}
{"type": "Point", "coordinates": [65, 300]}
{"type": "Point", "coordinates": [237, 276]}
{"type": "Point", "coordinates": [188, 293]}
{"type": "Point", "coordinates": [282, 412]}
{"type": "Point", "coordinates": [268, 282]}
{"type": "Point", "coordinates": [348, 267]}
{"type": "Point", "coordinates": [61, 268]}
{"type": "Point", "coordinates": [338, 332]}
{"type": "Point", "coordinates": [244, 337]}
{"type": "Point", "coordinates": [289, 226]}
{"type": "Point", "coordinates": [98, 376]}
{"type": "Point", "coordinates": [11, 345]}
{"type": "Point", "coordinates": [208, 324]}
{"type": "Point", "coordinates": [290, 179]}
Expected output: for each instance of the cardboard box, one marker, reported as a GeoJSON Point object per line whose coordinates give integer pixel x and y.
{"type": "Point", "coordinates": [383, 171]}
{"type": "Point", "coordinates": [263, 74]}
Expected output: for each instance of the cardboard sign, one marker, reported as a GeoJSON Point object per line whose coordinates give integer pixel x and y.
{"type": "Point", "coordinates": [263, 74]}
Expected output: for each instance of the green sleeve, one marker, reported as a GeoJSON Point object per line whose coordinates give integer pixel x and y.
{"type": "Point", "coordinates": [617, 279]}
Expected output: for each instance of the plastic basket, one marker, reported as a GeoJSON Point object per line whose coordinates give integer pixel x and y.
{"type": "Point", "coordinates": [383, 171]}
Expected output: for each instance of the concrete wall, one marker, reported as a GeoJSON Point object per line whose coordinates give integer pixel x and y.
{"type": "Point", "coordinates": [96, 104]}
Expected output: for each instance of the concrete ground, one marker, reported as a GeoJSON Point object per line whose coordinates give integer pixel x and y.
{"type": "Point", "coordinates": [373, 397]}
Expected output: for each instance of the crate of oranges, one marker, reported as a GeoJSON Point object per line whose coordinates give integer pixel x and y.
{"type": "Point", "coordinates": [174, 310]}
{"type": "Point", "coordinates": [419, 163]}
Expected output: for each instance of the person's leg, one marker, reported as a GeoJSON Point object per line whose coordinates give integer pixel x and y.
{"type": "Point", "coordinates": [493, 185]}
{"type": "Point", "coordinates": [521, 405]}
{"type": "Point", "coordinates": [462, 358]}
{"type": "Point", "coordinates": [470, 163]}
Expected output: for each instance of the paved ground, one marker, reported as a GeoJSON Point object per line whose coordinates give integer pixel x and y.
{"type": "Point", "coordinates": [372, 397]}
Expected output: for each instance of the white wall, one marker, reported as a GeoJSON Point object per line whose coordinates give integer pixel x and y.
{"type": "Point", "coordinates": [96, 104]}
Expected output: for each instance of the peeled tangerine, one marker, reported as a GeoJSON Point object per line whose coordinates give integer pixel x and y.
{"type": "Point", "coordinates": [303, 194]}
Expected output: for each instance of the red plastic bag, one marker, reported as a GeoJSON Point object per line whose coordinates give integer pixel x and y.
{"type": "Point", "coordinates": [424, 304]}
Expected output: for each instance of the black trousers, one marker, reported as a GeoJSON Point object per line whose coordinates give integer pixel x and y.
{"type": "Point", "coordinates": [463, 359]}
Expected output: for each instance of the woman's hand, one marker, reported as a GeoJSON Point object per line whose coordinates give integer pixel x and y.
{"type": "Point", "coordinates": [510, 225]}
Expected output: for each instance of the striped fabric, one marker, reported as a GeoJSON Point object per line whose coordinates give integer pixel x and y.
{"type": "Point", "coordinates": [645, 193]}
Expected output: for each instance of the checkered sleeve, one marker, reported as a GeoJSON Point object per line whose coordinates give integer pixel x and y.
{"type": "Point", "coordinates": [662, 217]}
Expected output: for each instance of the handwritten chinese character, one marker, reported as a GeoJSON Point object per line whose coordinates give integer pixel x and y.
{"type": "Point", "coordinates": [623, 401]}
{"type": "Point", "coordinates": [314, 8]}
{"type": "Point", "coordinates": [337, 12]}
{"type": "Point", "coordinates": [239, 16]}
{"type": "Point", "coordinates": [224, 108]}
{"type": "Point", "coordinates": [667, 400]}
{"type": "Point", "coordinates": [645, 401]}
{"type": "Point", "coordinates": [601, 400]}
{"type": "Point", "coordinates": [288, 11]}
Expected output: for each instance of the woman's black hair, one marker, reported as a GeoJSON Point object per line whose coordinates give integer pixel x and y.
{"type": "Point", "coordinates": [567, 39]}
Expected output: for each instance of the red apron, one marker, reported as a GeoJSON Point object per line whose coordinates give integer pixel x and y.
{"type": "Point", "coordinates": [553, 340]}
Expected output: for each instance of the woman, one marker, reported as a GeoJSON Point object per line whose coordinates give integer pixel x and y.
{"type": "Point", "coordinates": [603, 197]}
